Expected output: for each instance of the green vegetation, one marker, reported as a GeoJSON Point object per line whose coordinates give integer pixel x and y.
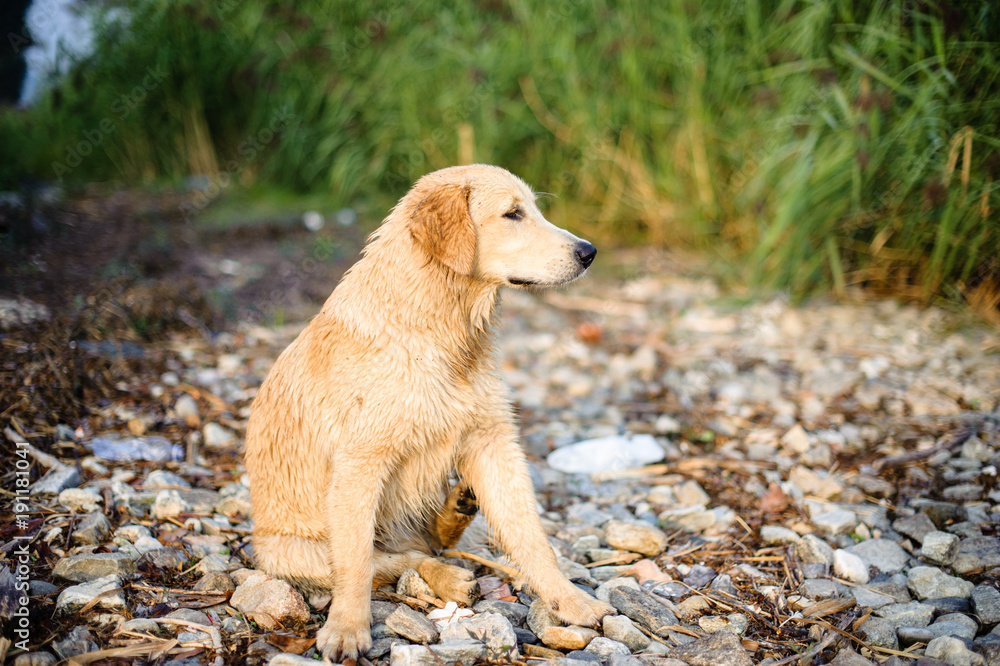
{"type": "Point", "coordinates": [822, 144]}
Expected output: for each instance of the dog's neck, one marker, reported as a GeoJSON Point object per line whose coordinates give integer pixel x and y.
{"type": "Point", "coordinates": [396, 289]}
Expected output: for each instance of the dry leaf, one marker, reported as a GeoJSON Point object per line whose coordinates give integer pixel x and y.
{"type": "Point", "coordinates": [774, 500]}
{"type": "Point", "coordinates": [289, 643]}
{"type": "Point", "coordinates": [589, 332]}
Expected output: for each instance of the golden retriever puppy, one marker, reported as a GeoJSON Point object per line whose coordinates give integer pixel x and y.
{"type": "Point", "coordinates": [393, 388]}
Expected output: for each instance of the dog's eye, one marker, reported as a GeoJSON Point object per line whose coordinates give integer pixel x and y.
{"type": "Point", "coordinates": [515, 214]}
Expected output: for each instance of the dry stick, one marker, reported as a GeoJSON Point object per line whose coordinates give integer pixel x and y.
{"type": "Point", "coordinates": [510, 571]}
{"type": "Point", "coordinates": [210, 630]}
{"type": "Point", "coordinates": [152, 649]}
{"type": "Point", "coordinates": [913, 456]}
{"type": "Point", "coordinates": [174, 590]}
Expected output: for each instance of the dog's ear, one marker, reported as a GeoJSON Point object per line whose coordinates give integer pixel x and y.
{"type": "Point", "coordinates": [442, 226]}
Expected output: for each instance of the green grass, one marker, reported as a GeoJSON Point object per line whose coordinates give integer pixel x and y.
{"type": "Point", "coordinates": [821, 145]}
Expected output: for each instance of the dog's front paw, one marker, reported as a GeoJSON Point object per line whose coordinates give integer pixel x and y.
{"type": "Point", "coordinates": [337, 641]}
{"type": "Point", "coordinates": [577, 607]}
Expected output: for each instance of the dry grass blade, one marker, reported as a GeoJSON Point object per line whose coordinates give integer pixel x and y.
{"type": "Point", "coordinates": [153, 650]}
{"type": "Point", "coordinates": [826, 607]}
{"type": "Point", "coordinates": [510, 571]}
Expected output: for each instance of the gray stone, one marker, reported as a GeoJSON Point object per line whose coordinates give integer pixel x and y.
{"type": "Point", "coordinates": [87, 567]}
{"type": "Point", "coordinates": [288, 659]}
{"type": "Point", "coordinates": [913, 614]}
{"type": "Point", "coordinates": [603, 591]}
{"type": "Point", "coordinates": [578, 658]}
{"type": "Point", "coordinates": [700, 576]}
{"type": "Point", "coordinates": [939, 547]}
{"type": "Point", "coordinates": [164, 558]}
{"type": "Point", "coordinates": [949, 604]}
{"type": "Point", "coordinates": [986, 604]}
{"type": "Point", "coordinates": [721, 649]}
{"type": "Point", "coordinates": [848, 657]}
{"type": "Point", "coordinates": [916, 526]}
{"type": "Point", "coordinates": [381, 610]}
{"type": "Point", "coordinates": [931, 582]}
{"type": "Point", "coordinates": [635, 537]}
{"type": "Point", "coordinates": [269, 601]}
{"type": "Point", "coordinates": [190, 615]}
{"type": "Point", "coordinates": [35, 659]}
{"type": "Point", "coordinates": [92, 529]}
{"type": "Point", "coordinates": [840, 521]}
{"type": "Point", "coordinates": [168, 504]}
{"type": "Point", "coordinates": [885, 555]}
{"type": "Point", "coordinates": [515, 613]}
{"type": "Point", "coordinates": [621, 629]}
{"type": "Point", "coordinates": [491, 629]}
{"type": "Point", "coordinates": [605, 647]}
{"type": "Point", "coordinates": [953, 652]}
{"type": "Point", "coordinates": [568, 638]}
{"type": "Point", "coordinates": [141, 624]}
{"type": "Point", "coordinates": [622, 660]}
{"type": "Point", "coordinates": [642, 608]}
{"type": "Point", "coordinates": [217, 437]}
{"type": "Point", "coordinates": [411, 625]}
{"type": "Point", "coordinates": [942, 513]}
{"type": "Point", "coordinates": [867, 598]}
{"type": "Point", "coordinates": [132, 533]}
{"type": "Point", "coordinates": [777, 534]}
{"type": "Point", "coordinates": [880, 632]}
{"type": "Point", "coordinates": [161, 478]}
{"type": "Point", "coordinates": [989, 647]}
{"type": "Point", "coordinates": [75, 597]}
{"type": "Point", "coordinates": [56, 480]}
{"type": "Point", "coordinates": [968, 629]}
{"type": "Point", "coordinates": [214, 563]}
{"type": "Point", "coordinates": [811, 548]}
{"type": "Point", "coordinates": [215, 581]}
{"type": "Point", "coordinates": [963, 492]}
{"type": "Point", "coordinates": [734, 622]}
{"type": "Point", "coordinates": [821, 588]}
{"type": "Point", "coordinates": [78, 641]}
{"type": "Point", "coordinates": [977, 553]}
{"type": "Point", "coordinates": [381, 647]}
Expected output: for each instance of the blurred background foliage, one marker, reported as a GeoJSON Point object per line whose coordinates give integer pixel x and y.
{"type": "Point", "coordinates": [813, 145]}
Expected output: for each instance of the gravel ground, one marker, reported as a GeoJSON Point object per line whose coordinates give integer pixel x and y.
{"type": "Point", "coordinates": [769, 484]}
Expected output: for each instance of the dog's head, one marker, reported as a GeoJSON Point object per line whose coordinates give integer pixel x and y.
{"type": "Point", "coordinates": [482, 222]}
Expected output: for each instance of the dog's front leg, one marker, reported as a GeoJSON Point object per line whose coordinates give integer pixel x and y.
{"type": "Point", "coordinates": [492, 462]}
{"type": "Point", "coordinates": [351, 506]}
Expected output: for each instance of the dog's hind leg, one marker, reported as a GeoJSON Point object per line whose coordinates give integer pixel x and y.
{"type": "Point", "coordinates": [302, 562]}
{"type": "Point", "coordinates": [460, 507]}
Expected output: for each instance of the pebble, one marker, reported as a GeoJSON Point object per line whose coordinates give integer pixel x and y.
{"type": "Point", "coordinates": [515, 613]}
{"type": "Point", "coordinates": [412, 625]}
{"type": "Point", "coordinates": [186, 407]}
{"type": "Point", "coordinates": [880, 632]}
{"type": "Point", "coordinates": [445, 654]}
{"type": "Point", "coordinates": [635, 537]}
{"type": "Point", "coordinates": [491, 629]}
{"type": "Point", "coordinates": [642, 608]}
{"type": "Point", "coordinates": [939, 547]}
{"type": "Point", "coordinates": [884, 554]}
{"type": "Point", "coordinates": [87, 567]}
{"type": "Point", "coordinates": [912, 614]}
{"type": "Point", "coordinates": [986, 604]}
{"type": "Point", "coordinates": [76, 596]}
{"type": "Point", "coordinates": [540, 617]}
{"type": "Point", "coordinates": [35, 659]}
{"type": "Point", "coordinates": [812, 549]}
{"type": "Point", "coordinates": [168, 504]}
{"type": "Point", "coordinates": [620, 628]}
{"type": "Point", "coordinates": [931, 582]}
{"type": "Point", "coordinates": [92, 529]}
{"type": "Point", "coordinates": [270, 602]}
{"type": "Point", "coordinates": [217, 437]}
{"type": "Point", "coordinates": [916, 526]}
{"type": "Point", "coordinates": [605, 647]}
{"type": "Point", "coordinates": [976, 553]}
{"type": "Point", "coordinates": [836, 522]}
{"type": "Point", "coordinates": [772, 534]}
{"type": "Point", "coordinates": [56, 480]}
{"type": "Point", "coordinates": [690, 493]}
{"type": "Point", "coordinates": [603, 591]}
{"type": "Point", "coordinates": [80, 500]}
{"type": "Point", "coordinates": [849, 567]}
{"type": "Point", "coordinates": [721, 649]}
{"type": "Point", "coordinates": [606, 454]}
{"type": "Point", "coordinates": [567, 638]}
{"type": "Point", "coordinates": [953, 651]}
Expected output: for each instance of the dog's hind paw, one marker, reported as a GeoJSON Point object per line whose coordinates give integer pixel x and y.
{"type": "Point", "coordinates": [338, 643]}
{"type": "Point", "coordinates": [451, 583]}
{"type": "Point", "coordinates": [465, 502]}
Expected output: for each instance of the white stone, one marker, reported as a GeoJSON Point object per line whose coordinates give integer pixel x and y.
{"type": "Point", "coordinates": [217, 437]}
{"type": "Point", "coordinates": [75, 597]}
{"type": "Point", "coordinates": [80, 500]}
{"type": "Point", "coordinates": [850, 567]}
{"type": "Point", "coordinates": [606, 454]}
{"type": "Point", "coordinates": [839, 521]}
{"type": "Point", "coordinates": [939, 547]}
{"type": "Point", "coordinates": [168, 504]}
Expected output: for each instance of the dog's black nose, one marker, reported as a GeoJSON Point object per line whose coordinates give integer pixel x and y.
{"type": "Point", "coordinates": [586, 252]}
